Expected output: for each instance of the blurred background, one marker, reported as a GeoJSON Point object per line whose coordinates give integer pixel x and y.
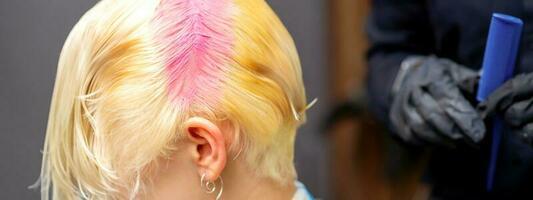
{"type": "Point", "coordinates": [331, 41]}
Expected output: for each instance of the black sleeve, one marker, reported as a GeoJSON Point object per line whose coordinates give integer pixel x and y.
{"type": "Point", "coordinates": [396, 29]}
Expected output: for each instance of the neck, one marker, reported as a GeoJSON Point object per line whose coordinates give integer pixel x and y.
{"type": "Point", "coordinates": [244, 184]}
{"type": "Point", "coordinates": [239, 183]}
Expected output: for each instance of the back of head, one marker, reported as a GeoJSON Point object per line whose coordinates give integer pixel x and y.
{"type": "Point", "coordinates": [132, 71]}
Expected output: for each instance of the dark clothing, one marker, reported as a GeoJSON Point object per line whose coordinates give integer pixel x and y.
{"type": "Point", "coordinates": [457, 30]}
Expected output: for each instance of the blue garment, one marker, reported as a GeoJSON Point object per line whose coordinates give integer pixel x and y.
{"type": "Point", "coordinates": [301, 192]}
{"type": "Point", "coordinates": [457, 30]}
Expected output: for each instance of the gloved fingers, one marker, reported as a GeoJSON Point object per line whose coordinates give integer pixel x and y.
{"type": "Point", "coordinates": [460, 73]}
{"type": "Point", "coordinates": [516, 89]}
{"type": "Point", "coordinates": [458, 109]}
{"type": "Point", "coordinates": [467, 81]}
{"type": "Point", "coordinates": [431, 113]}
{"type": "Point", "coordinates": [432, 119]}
{"type": "Point", "coordinates": [469, 87]}
{"type": "Point", "coordinates": [420, 128]}
{"type": "Point", "coordinates": [519, 113]}
{"type": "Point", "coordinates": [423, 131]}
{"type": "Point", "coordinates": [522, 85]}
{"type": "Point", "coordinates": [402, 115]}
{"type": "Point", "coordinates": [397, 119]}
{"type": "Point", "coordinates": [463, 77]}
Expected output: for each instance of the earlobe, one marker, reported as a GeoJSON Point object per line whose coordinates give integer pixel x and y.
{"type": "Point", "coordinates": [210, 147]}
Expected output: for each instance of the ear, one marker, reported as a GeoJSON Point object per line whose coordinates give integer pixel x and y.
{"type": "Point", "coordinates": [209, 148]}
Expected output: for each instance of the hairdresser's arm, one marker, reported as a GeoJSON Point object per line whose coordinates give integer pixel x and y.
{"type": "Point", "coordinates": [396, 30]}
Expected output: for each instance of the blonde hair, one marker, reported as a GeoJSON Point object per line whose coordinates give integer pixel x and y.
{"type": "Point", "coordinates": [131, 72]}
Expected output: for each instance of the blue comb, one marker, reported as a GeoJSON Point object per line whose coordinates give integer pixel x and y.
{"type": "Point", "coordinates": [498, 66]}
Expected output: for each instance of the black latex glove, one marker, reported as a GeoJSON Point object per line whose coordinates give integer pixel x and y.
{"type": "Point", "coordinates": [429, 104]}
{"type": "Point", "coordinates": [514, 101]}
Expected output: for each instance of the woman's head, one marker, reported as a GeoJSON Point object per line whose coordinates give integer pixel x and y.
{"type": "Point", "coordinates": [137, 77]}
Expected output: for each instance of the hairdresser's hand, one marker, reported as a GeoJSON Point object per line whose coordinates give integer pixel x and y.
{"type": "Point", "coordinates": [514, 101]}
{"type": "Point", "coordinates": [430, 105]}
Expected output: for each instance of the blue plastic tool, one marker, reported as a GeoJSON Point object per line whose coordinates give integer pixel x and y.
{"type": "Point", "coordinates": [498, 65]}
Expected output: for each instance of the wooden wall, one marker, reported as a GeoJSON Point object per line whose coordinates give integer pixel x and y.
{"type": "Point", "coordinates": [358, 146]}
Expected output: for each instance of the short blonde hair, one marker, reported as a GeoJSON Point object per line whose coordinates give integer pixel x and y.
{"type": "Point", "coordinates": [132, 71]}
